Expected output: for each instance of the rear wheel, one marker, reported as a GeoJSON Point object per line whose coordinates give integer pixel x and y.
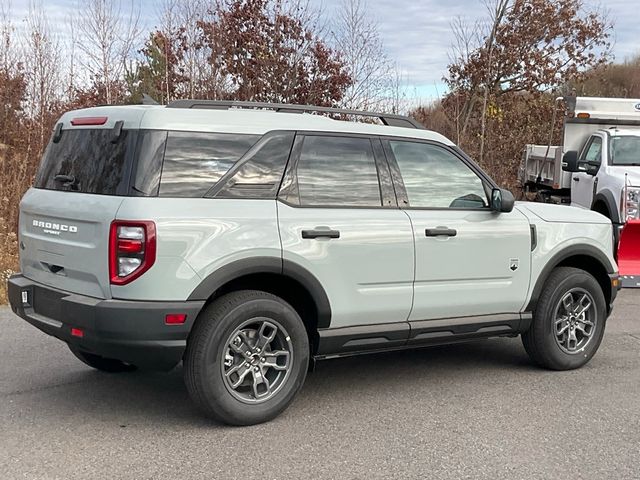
{"type": "Point", "coordinates": [104, 364]}
{"type": "Point", "coordinates": [569, 320]}
{"type": "Point", "coordinates": [246, 357]}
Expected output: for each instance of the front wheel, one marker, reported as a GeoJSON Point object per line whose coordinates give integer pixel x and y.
{"type": "Point", "coordinates": [569, 320]}
{"type": "Point", "coordinates": [246, 357]}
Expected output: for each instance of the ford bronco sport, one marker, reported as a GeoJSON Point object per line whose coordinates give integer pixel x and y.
{"type": "Point", "coordinates": [248, 240]}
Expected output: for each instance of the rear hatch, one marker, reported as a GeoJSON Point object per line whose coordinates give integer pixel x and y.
{"type": "Point", "coordinates": [65, 219]}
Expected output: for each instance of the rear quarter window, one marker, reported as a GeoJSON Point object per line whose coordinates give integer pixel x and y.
{"type": "Point", "coordinates": [259, 173]}
{"type": "Point", "coordinates": [194, 162]}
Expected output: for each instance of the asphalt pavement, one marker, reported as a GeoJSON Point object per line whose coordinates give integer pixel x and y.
{"type": "Point", "coordinates": [476, 410]}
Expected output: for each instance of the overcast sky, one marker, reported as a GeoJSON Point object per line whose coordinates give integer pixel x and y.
{"type": "Point", "coordinates": [416, 33]}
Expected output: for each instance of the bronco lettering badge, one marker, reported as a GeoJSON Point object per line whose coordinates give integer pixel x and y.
{"type": "Point", "coordinates": [54, 228]}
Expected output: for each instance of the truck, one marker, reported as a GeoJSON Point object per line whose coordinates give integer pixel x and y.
{"type": "Point", "coordinates": [597, 167]}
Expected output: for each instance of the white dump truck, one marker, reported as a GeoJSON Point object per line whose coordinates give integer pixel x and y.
{"type": "Point", "coordinates": [596, 167]}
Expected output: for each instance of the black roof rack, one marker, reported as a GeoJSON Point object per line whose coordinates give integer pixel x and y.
{"type": "Point", "coordinates": [386, 118]}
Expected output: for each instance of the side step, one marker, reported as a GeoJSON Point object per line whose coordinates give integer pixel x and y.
{"type": "Point", "coordinates": [347, 341]}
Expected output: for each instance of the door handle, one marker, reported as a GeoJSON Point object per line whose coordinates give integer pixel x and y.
{"type": "Point", "coordinates": [321, 233]}
{"type": "Point", "coordinates": [440, 232]}
{"type": "Point", "coordinates": [576, 179]}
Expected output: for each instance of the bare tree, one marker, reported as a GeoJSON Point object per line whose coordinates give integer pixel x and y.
{"type": "Point", "coordinates": [467, 39]}
{"type": "Point", "coordinates": [187, 14]}
{"type": "Point", "coordinates": [8, 51]}
{"type": "Point", "coordinates": [71, 55]}
{"type": "Point", "coordinates": [11, 78]}
{"type": "Point", "coordinates": [358, 40]}
{"type": "Point", "coordinates": [42, 55]}
{"type": "Point", "coordinates": [107, 38]}
{"type": "Point", "coordinates": [497, 11]}
{"type": "Point", "coordinates": [170, 26]}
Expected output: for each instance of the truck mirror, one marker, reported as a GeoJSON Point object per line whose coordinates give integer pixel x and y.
{"type": "Point", "coordinates": [570, 161]}
{"type": "Point", "coordinates": [589, 168]}
{"type": "Point", "coordinates": [502, 200]}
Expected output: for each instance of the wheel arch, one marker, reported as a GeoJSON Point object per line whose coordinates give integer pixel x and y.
{"type": "Point", "coordinates": [606, 199]}
{"type": "Point", "coordinates": [584, 257]}
{"type": "Point", "coordinates": [284, 278]}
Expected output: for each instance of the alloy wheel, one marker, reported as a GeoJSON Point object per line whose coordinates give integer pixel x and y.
{"type": "Point", "coordinates": [575, 321]}
{"type": "Point", "coordinates": [257, 360]}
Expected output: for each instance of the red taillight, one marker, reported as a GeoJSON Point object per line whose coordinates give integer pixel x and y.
{"type": "Point", "coordinates": [81, 121]}
{"type": "Point", "coordinates": [132, 250]}
{"type": "Point", "coordinates": [130, 246]}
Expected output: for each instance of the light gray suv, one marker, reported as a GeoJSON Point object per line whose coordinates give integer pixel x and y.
{"type": "Point", "coordinates": [249, 240]}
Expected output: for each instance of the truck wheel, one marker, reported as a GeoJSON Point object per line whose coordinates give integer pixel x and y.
{"type": "Point", "coordinates": [110, 365]}
{"type": "Point", "coordinates": [569, 320]}
{"type": "Point", "coordinates": [246, 357]}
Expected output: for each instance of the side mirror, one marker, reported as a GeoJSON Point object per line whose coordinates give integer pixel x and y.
{"type": "Point", "coordinates": [589, 168]}
{"type": "Point", "coordinates": [570, 161]}
{"type": "Point", "coordinates": [502, 200]}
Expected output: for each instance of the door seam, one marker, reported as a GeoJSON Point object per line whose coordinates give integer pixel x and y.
{"type": "Point", "coordinates": [413, 280]}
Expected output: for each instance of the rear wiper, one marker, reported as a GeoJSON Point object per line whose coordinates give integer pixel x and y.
{"type": "Point", "coordinates": [67, 181]}
{"type": "Point", "coordinates": [65, 178]}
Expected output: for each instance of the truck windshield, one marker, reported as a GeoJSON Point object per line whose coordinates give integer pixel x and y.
{"type": "Point", "coordinates": [625, 150]}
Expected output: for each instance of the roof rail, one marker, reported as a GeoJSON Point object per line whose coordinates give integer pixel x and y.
{"type": "Point", "coordinates": [386, 118]}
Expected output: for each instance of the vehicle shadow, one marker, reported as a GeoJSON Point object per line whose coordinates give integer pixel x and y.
{"type": "Point", "coordinates": [151, 397]}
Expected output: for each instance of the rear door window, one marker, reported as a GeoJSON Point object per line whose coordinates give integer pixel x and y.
{"type": "Point", "coordinates": [194, 162]}
{"type": "Point", "coordinates": [337, 171]}
{"type": "Point", "coordinates": [88, 161]}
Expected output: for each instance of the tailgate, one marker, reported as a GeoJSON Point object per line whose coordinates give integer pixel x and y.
{"type": "Point", "coordinates": [64, 240]}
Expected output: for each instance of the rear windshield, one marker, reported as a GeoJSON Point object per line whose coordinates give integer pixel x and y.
{"type": "Point", "coordinates": [88, 161]}
{"type": "Point", "coordinates": [140, 162]}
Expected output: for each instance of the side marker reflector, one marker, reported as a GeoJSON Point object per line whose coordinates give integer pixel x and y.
{"type": "Point", "coordinates": [77, 332]}
{"type": "Point", "coordinates": [175, 318]}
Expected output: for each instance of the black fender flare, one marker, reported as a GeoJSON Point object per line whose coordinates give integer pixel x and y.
{"type": "Point", "coordinates": [240, 268]}
{"type": "Point", "coordinates": [570, 251]}
{"type": "Point", "coordinates": [607, 197]}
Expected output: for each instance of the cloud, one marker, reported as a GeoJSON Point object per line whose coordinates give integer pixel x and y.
{"type": "Point", "coordinates": [416, 33]}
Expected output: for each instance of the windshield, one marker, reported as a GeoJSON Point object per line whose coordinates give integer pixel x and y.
{"type": "Point", "coordinates": [625, 150]}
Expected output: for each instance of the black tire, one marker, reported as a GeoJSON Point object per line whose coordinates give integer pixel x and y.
{"type": "Point", "coordinates": [204, 359]}
{"type": "Point", "coordinates": [540, 340]}
{"type": "Point", "coordinates": [104, 364]}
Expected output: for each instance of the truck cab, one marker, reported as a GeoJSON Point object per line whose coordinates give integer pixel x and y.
{"type": "Point", "coordinates": [608, 164]}
{"type": "Point", "coordinates": [598, 162]}
{"type": "Point", "coordinates": [596, 167]}
{"type": "Point", "coordinates": [602, 155]}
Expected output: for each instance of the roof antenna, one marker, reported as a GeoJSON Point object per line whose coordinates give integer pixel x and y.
{"type": "Point", "coordinates": [148, 100]}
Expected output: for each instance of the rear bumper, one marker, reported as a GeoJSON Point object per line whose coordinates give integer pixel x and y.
{"type": "Point", "coordinates": [132, 331]}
